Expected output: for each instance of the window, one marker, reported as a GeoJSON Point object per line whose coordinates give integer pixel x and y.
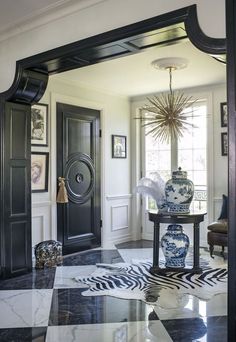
{"type": "Point", "coordinates": [190, 153]}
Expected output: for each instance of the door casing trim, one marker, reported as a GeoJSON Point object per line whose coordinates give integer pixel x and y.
{"type": "Point", "coordinates": [74, 101]}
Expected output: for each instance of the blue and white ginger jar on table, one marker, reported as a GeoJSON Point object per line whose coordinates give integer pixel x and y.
{"type": "Point", "coordinates": [179, 192]}
{"type": "Point", "coordinates": [175, 244]}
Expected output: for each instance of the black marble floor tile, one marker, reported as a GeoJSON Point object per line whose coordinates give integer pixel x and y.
{"type": "Point", "coordinates": [23, 335]}
{"type": "Point", "coordinates": [37, 279]}
{"type": "Point", "coordinates": [93, 257]}
{"type": "Point", "coordinates": [211, 329]}
{"type": "Point", "coordinates": [217, 329]}
{"type": "Point", "coordinates": [135, 244]}
{"type": "Point", "coordinates": [69, 307]}
{"type": "Point", "coordinates": [185, 330]}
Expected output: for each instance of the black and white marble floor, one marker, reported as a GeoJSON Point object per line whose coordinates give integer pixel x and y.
{"type": "Point", "coordinates": [47, 305]}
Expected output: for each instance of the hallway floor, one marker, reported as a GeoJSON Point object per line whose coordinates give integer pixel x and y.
{"type": "Point", "coordinates": [47, 305]}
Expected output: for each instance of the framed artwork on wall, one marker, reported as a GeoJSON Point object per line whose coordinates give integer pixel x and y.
{"type": "Point", "coordinates": [39, 171]}
{"type": "Point", "coordinates": [224, 144]}
{"type": "Point", "coordinates": [119, 146]}
{"type": "Point", "coordinates": [224, 114]}
{"type": "Point", "coordinates": [39, 125]}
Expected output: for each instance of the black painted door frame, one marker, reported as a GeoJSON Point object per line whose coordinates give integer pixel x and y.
{"type": "Point", "coordinates": [31, 81]}
{"type": "Point", "coordinates": [231, 100]}
{"type": "Point", "coordinates": [79, 162]}
{"type": "Point", "coordinates": [16, 250]}
{"type": "Point", "coordinates": [15, 171]}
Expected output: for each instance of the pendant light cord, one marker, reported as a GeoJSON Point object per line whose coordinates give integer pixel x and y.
{"type": "Point", "coordinates": [170, 74]}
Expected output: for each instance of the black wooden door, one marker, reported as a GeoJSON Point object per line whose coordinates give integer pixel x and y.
{"type": "Point", "coordinates": [16, 250]}
{"type": "Point", "coordinates": [78, 161]}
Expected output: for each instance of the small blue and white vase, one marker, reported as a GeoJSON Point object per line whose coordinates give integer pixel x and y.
{"type": "Point", "coordinates": [179, 192]}
{"type": "Point", "coordinates": [175, 244]}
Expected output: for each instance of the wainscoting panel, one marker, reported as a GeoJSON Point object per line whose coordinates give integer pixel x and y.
{"type": "Point", "coordinates": [37, 229]}
{"type": "Point", "coordinates": [119, 217]}
{"type": "Point", "coordinates": [41, 218]}
{"type": "Point", "coordinates": [217, 207]}
{"type": "Point", "coordinates": [117, 222]}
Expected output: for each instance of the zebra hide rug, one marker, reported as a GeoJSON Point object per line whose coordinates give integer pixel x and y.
{"type": "Point", "coordinates": [134, 281]}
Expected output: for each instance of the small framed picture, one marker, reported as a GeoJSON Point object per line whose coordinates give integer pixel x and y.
{"type": "Point", "coordinates": [39, 171]}
{"type": "Point", "coordinates": [224, 114]}
{"type": "Point", "coordinates": [39, 125]}
{"type": "Point", "coordinates": [224, 144]}
{"type": "Point", "coordinates": [119, 146]}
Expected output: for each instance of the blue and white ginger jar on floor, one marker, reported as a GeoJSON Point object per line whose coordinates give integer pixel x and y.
{"type": "Point", "coordinates": [179, 192]}
{"type": "Point", "coordinates": [175, 244]}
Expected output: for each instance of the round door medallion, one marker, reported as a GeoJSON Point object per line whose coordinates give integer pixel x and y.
{"type": "Point", "coordinates": [80, 173]}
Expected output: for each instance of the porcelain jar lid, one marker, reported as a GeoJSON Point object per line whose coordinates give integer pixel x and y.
{"type": "Point", "coordinates": [179, 174]}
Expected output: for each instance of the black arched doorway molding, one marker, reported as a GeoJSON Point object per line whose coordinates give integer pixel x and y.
{"type": "Point", "coordinates": [28, 87]}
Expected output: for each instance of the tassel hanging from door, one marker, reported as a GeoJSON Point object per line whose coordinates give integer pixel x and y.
{"type": "Point", "coordinates": [62, 192]}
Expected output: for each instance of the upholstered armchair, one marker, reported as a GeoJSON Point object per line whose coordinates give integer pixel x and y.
{"type": "Point", "coordinates": [218, 230]}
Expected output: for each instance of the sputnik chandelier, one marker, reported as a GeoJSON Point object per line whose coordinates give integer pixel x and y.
{"type": "Point", "coordinates": [165, 117]}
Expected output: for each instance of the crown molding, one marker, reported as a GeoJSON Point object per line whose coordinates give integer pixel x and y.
{"type": "Point", "coordinates": [58, 10]}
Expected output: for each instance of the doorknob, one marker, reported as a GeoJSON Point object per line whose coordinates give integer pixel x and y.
{"type": "Point", "coordinates": [62, 196]}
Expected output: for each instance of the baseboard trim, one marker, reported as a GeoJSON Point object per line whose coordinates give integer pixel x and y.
{"type": "Point", "coordinates": [147, 236]}
{"type": "Point", "coordinates": [115, 240]}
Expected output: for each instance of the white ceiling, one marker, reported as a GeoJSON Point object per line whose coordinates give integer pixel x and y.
{"type": "Point", "coordinates": [13, 12]}
{"type": "Point", "coordinates": [17, 16]}
{"type": "Point", "coordinates": [133, 75]}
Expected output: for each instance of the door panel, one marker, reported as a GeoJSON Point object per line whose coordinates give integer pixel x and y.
{"type": "Point", "coordinates": [78, 161]}
{"type": "Point", "coordinates": [17, 248]}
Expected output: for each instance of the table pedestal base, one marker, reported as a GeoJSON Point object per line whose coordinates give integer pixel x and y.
{"type": "Point", "coordinates": [171, 218]}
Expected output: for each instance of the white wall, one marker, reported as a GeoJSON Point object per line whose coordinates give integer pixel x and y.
{"type": "Point", "coordinates": [120, 210]}
{"type": "Point", "coordinates": [217, 167]}
{"type": "Point", "coordinates": [78, 22]}
{"type": "Point", "coordinates": [115, 182]}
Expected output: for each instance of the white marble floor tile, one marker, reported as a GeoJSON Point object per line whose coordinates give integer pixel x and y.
{"type": "Point", "coordinates": [194, 307]}
{"type": "Point", "coordinates": [130, 255]}
{"type": "Point", "coordinates": [217, 306]}
{"type": "Point", "coordinates": [110, 332]}
{"type": "Point", "coordinates": [217, 261]}
{"type": "Point", "coordinates": [24, 308]}
{"type": "Point", "coordinates": [64, 277]}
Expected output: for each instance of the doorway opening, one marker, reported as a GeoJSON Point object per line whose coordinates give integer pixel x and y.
{"type": "Point", "coordinates": [112, 87]}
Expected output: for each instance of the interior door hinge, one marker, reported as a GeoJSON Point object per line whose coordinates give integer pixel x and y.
{"type": "Point", "coordinates": [100, 223]}
{"type": "Point", "coordinates": [100, 133]}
